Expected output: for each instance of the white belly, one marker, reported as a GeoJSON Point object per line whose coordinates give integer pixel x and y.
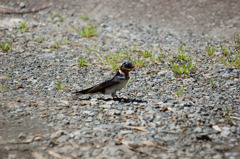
{"type": "Point", "coordinates": [115, 88]}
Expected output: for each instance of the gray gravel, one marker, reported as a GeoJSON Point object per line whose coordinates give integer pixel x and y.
{"type": "Point", "coordinates": [152, 121]}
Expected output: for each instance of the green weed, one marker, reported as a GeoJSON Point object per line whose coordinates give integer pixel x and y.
{"type": "Point", "coordinates": [88, 31]}
{"type": "Point", "coordinates": [210, 50]}
{"type": "Point", "coordinates": [233, 61]}
{"type": "Point", "coordinates": [236, 42]}
{"type": "Point", "coordinates": [84, 16]}
{"type": "Point", "coordinates": [228, 115]}
{"type": "Point", "coordinates": [181, 55]}
{"type": "Point", "coordinates": [5, 46]}
{"type": "Point", "coordinates": [60, 85]}
{"type": "Point", "coordinates": [40, 40]}
{"type": "Point", "coordinates": [113, 59]}
{"type": "Point", "coordinates": [56, 45]}
{"type": "Point", "coordinates": [61, 19]}
{"type": "Point", "coordinates": [146, 53]}
{"type": "Point", "coordinates": [225, 51]}
{"type": "Point", "coordinates": [2, 88]}
{"type": "Point", "coordinates": [160, 57]}
{"type": "Point", "coordinates": [211, 81]}
{"type": "Point", "coordinates": [82, 62]}
{"type": "Point", "coordinates": [139, 62]}
{"type": "Point", "coordinates": [179, 91]}
{"type": "Point", "coordinates": [184, 68]}
{"type": "Point", "coordinates": [23, 27]}
{"type": "Point", "coordinates": [66, 42]}
{"type": "Point", "coordinates": [53, 15]}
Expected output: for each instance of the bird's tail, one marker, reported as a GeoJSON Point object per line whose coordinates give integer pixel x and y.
{"type": "Point", "coordinates": [85, 91]}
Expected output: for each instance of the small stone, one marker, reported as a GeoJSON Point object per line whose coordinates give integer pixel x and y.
{"type": "Point", "coordinates": [129, 112]}
{"type": "Point", "coordinates": [22, 5]}
{"type": "Point", "coordinates": [106, 106]}
{"type": "Point", "coordinates": [238, 130]}
{"type": "Point", "coordinates": [114, 112]}
{"type": "Point", "coordinates": [63, 138]}
{"type": "Point", "coordinates": [233, 129]}
{"type": "Point", "coordinates": [197, 130]}
{"type": "Point", "coordinates": [22, 136]}
{"type": "Point", "coordinates": [105, 126]}
{"type": "Point", "coordinates": [217, 128]}
{"type": "Point", "coordinates": [19, 110]}
{"type": "Point", "coordinates": [226, 132]}
{"type": "Point", "coordinates": [149, 108]}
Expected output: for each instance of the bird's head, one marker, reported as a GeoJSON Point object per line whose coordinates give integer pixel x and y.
{"type": "Point", "coordinates": [127, 67]}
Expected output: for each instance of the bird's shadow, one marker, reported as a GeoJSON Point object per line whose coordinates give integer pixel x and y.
{"type": "Point", "coordinates": [124, 100]}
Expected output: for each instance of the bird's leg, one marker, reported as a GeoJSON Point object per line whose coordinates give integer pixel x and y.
{"type": "Point", "coordinates": [114, 95]}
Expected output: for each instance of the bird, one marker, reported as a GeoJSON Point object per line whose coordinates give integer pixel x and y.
{"type": "Point", "coordinates": [112, 85]}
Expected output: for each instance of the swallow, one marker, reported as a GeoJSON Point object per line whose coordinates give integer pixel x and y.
{"type": "Point", "coordinates": [113, 85]}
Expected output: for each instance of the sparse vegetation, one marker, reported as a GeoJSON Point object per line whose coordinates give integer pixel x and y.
{"type": "Point", "coordinates": [228, 115]}
{"type": "Point", "coordinates": [23, 27]}
{"type": "Point", "coordinates": [181, 63]}
{"type": "Point", "coordinates": [146, 53]}
{"type": "Point", "coordinates": [2, 88]}
{"type": "Point", "coordinates": [88, 31]}
{"type": "Point", "coordinates": [53, 15]}
{"type": "Point", "coordinates": [160, 56]}
{"type": "Point", "coordinates": [181, 55]}
{"type": "Point", "coordinates": [184, 68]}
{"type": "Point", "coordinates": [140, 58]}
{"type": "Point", "coordinates": [5, 46]}
{"type": "Point", "coordinates": [84, 16]}
{"type": "Point", "coordinates": [60, 85]}
{"type": "Point", "coordinates": [211, 81]}
{"type": "Point", "coordinates": [66, 42]}
{"type": "Point", "coordinates": [61, 19]}
{"type": "Point", "coordinates": [81, 62]}
{"type": "Point", "coordinates": [92, 49]}
{"type": "Point", "coordinates": [114, 60]}
{"type": "Point", "coordinates": [179, 91]}
{"type": "Point", "coordinates": [210, 50]}
{"type": "Point", "coordinates": [56, 45]}
{"type": "Point", "coordinates": [139, 62]}
{"type": "Point", "coordinates": [40, 40]}
{"type": "Point", "coordinates": [231, 54]}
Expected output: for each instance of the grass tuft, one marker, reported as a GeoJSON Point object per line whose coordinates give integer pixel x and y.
{"type": "Point", "coordinates": [56, 45]}
{"type": "Point", "coordinates": [181, 55]}
{"type": "Point", "coordinates": [184, 68]}
{"type": "Point", "coordinates": [23, 27]}
{"type": "Point", "coordinates": [2, 88]}
{"type": "Point", "coordinates": [60, 85]}
{"type": "Point", "coordinates": [82, 62]}
{"type": "Point", "coordinates": [40, 40]}
{"type": "Point", "coordinates": [84, 16]}
{"type": "Point", "coordinates": [211, 81]}
{"type": "Point", "coordinates": [88, 31]}
{"type": "Point", "coordinates": [5, 46]}
{"type": "Point", "coordinates": [179, 91]}
{"type": "Point", "coordinates": [210, 50]}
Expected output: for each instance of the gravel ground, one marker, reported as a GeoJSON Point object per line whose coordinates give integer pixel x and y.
{"type": "Point", "coordinates": [38, 119]}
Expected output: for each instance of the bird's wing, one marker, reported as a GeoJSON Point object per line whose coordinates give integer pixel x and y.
{"type": "Point", "coordinates": [102, 86]}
